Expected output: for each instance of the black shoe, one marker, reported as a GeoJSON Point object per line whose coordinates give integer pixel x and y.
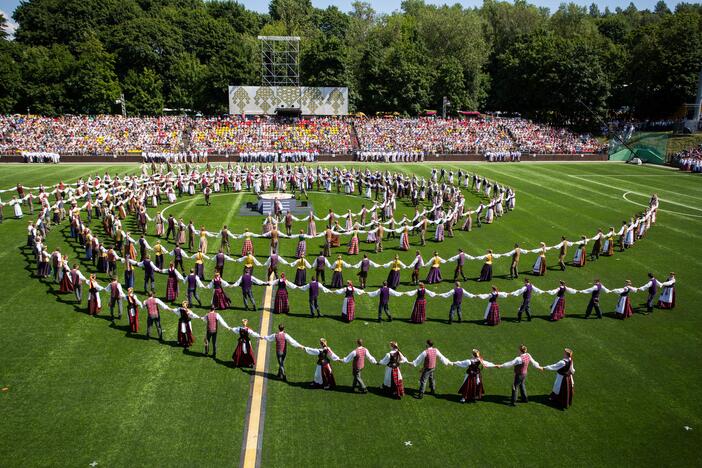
{"type": "Point", "coordinates": [419, 396]}
{"type": "Point", "coordinates": [512, 403]}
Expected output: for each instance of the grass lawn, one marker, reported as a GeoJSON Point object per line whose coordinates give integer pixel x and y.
{"type": "Point", "coordinates": [80, 390]}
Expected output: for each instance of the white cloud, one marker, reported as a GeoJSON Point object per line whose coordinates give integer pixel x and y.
{"type": "Point", "coordinates": [11, 24]}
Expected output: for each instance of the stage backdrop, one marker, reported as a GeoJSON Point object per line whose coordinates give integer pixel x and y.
{"type": "Point", "coordinates": [256, 100]}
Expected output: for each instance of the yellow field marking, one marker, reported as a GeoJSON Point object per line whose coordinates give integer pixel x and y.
{"type": "Point", "coordinates": [251, 449]}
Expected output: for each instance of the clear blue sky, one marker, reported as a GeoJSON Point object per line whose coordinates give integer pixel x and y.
{"type": "Point", "coordinates": [387, 6]}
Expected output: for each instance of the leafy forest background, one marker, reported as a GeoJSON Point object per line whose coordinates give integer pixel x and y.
{"type": "Point", "coordinates": [78, 56]}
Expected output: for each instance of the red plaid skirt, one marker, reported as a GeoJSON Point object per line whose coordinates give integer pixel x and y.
{"type": "Point", "coordinates": [280, 306]}
{"type": "Point", "coordinates": [419, 311]}
{"type": "Point", "coordinates": [172, 289]}
{"type": "Point", "coordinates": [471, 389]}
{"type": "Point", "coordinates": [247, 248]}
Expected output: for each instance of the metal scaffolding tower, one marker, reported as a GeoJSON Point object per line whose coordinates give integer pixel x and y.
{"type": "Point", "coordinates": [280, 64]}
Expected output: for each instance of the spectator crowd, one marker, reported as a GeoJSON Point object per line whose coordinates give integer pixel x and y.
{"type": "Point", "coordinates": [260, 138]}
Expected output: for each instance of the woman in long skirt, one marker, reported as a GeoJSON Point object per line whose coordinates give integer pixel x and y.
{"type": "Point", "coordinates": [337, 275]}
{"type": "Point", "coordinates": [419, 311]}
{"type": "Point", "coordinates": [468, 223]}
{"type": "Point", "coordinates": [392, 381]}
{"type": "Point", "coordinates": [243, 355]}
{"type": "Point", "coordinates": [174, 278]}
{"type": "Point", "coordinates": [580, 253]}
{"type": "Point", "coordinates": [353, 244]}
{"type": "Point", "coordinates": [539, 268]}
{"type": "Point", "coordinates": [220, 301]}
{"type": "Point", "coordinates": [247, 248]}
{"type": "Point", "coordinates": [65, 283]}
{"type": "Point", "coordinates": [185, 329]}
{"type": "Point", "coordinates": [280, 305]}
{"type": "Point", "coordinates": [394, 275]}
{"type": "Point", "coordinates": [301, 266]}
{"type": "Point", "coordinates": [624, 310]}
{"type": "Point", "coordinates": [486, 271]}
{"type": "Point", "coordinates": [434, 275]}
{"type": "Point", "coordinates": [323, 374]}
{"type": "Point", "coordinates": [472, 388]}
{"type": "Point", "coordinates": [492, 311]}
{"type": "Point", "coordinates": [608, 247]}
{"type": "Point", "coordinates": [404, 239]}
{"type": "Point", "coordinates": [667, 297]}
{"type": "Point", "coordinates": [133, 305]}
{"type": "Point", "coordinates": [159, 225]}
{"type": "Point", "coordinates": [439, 233]}
{"type": "Point", "coordinates": [348, 306]}
{"type": "Point", "coordinates": [94, 302]}
{"type": "Point", "coordinates": [301, 249]}
{"type": "Point", "coordinates": [563, 387]}
{"type": "Point", "coordinates": [311, 225]}
{"type": "Point", "coordinates": [558, 307]}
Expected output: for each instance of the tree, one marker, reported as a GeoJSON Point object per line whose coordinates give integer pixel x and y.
{"type": "Point", "coordinates": [183, 80]}
{"type": "Point", "coordinates": [294, 14]}
{"type": "Point", "coordinates": [3, 28]}
{"type": "Point", "coordinates": [143, 92]}
{"type": "Point", "coordinates": [93, 86]}
{"type": "Point", "coordinates": [323, 62]}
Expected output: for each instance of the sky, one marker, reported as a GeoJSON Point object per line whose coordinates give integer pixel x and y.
{"type": "Point", "coordinates": [388, 6]}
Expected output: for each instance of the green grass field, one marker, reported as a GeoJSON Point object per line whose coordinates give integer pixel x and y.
{"type": "Point", "coordinates": [79, 390]}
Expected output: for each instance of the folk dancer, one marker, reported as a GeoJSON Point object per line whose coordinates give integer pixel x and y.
{"type": "Point", "coordinates": [358, 356]}
{"type": "Point", "coordinates": [428, 360]}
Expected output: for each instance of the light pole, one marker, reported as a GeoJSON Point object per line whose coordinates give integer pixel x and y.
{"type": "Point", "coordinates": [122, 104]}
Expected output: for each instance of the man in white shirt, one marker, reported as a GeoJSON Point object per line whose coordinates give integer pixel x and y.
{"type": "Point", "coordinates": [359, 356]}
{"type": "Point", "coordinates": [428, 358]}
{"type": "Point", "coordinates": [521, 366]}
{"type": "Point", "coordinates": [281, 348]}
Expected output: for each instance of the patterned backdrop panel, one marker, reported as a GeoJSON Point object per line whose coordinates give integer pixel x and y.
{"type": "Point", "coordinates": [257, 100]}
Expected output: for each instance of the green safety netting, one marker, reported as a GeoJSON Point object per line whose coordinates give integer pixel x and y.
{"type": "Point", "coordinates": [650, 147]}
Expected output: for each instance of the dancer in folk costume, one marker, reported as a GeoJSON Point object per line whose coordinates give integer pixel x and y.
{"type": "Point", "coordinates": [65, 283]}
{"type": "Point", "coordinates": [434, 275]}
{"type": "Point", "coordinates": [200, 264]}
{"type": "Point", "coordinates": [486, 271]}
{"type": "Point", "coordinates": [392, 382]}
{"type": "Point", "coordinates": [597, 246]}
{"type": "Point", "coordinates": [652, 289]}
{"type": "Point", "coordinates": [394, 275]}
{"type": "Point", "coordinates": [492, 311]}
{"type": "Point", "coordinates": [667, 298]}
{"type": "Point", "coordinates": [153, 306]}
{"type": "Point", "coordinates": [624, 310]}
{"type": "Point", "coordinates": [202, 245]}
{"type": "Point", "coordinates": [133, 304]}
{"type": "Point", "coordinates": [220, 301]}
{"type": "Point", "coordinates": [173, 282]}
{"type": "Point", "coordinates": [427, 359]}
{"type": "Point", "coordinates": [416, 264]}
{"type": "Point", "coordinates": [580, 253]}
{"type": "Point", "coordinates": [419, 310]}
{"type": "Point", "coordinates": [539, 268]}
{"type": "Point", "coordinates": [439, 232]}
{"type": "Point", "coordinates": [472, 388]}
{"type": "Point", "coordinates": [521, 368]}
{"type": "Point", "coordinates": [247, 248]}
{"type": "Point", "coordinates": [94, 302]}
{"type": "Point", "coordinates": [243, 355]}
{"type": "Point", "coordinates": [280, 305]}
{"type": "Point", "coordinates": [404, 239]}
{"type": "Point", "coordinates": [185, 329]}
{"type": "Point", "coordinates": [562, 251]}
{"type": "Point", "coordinates": [558, 307]}
{"type": "Point", "coordinates": [608, 246]}
{"type": "Point", "coordinates": [348, 306]}
{"type": "Point", "coordinates": [311, 225]}
{"type": "Point", "coordinates": [353, 243]}
{"type": "Point", "coordinates": [301, 250]}
{"type": "Point", "coordinates": [282, 339]}
{"type": "Point", "coordinates": [301, 266]}
{"type": "Point", "coordinates": [563, 387]}
{"type": "Point", "coordinates": [358, 356]}
{"type": "Point", "coordinates": [337, 275]}
{"type": "Point", "coordinates": [323, 374]}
